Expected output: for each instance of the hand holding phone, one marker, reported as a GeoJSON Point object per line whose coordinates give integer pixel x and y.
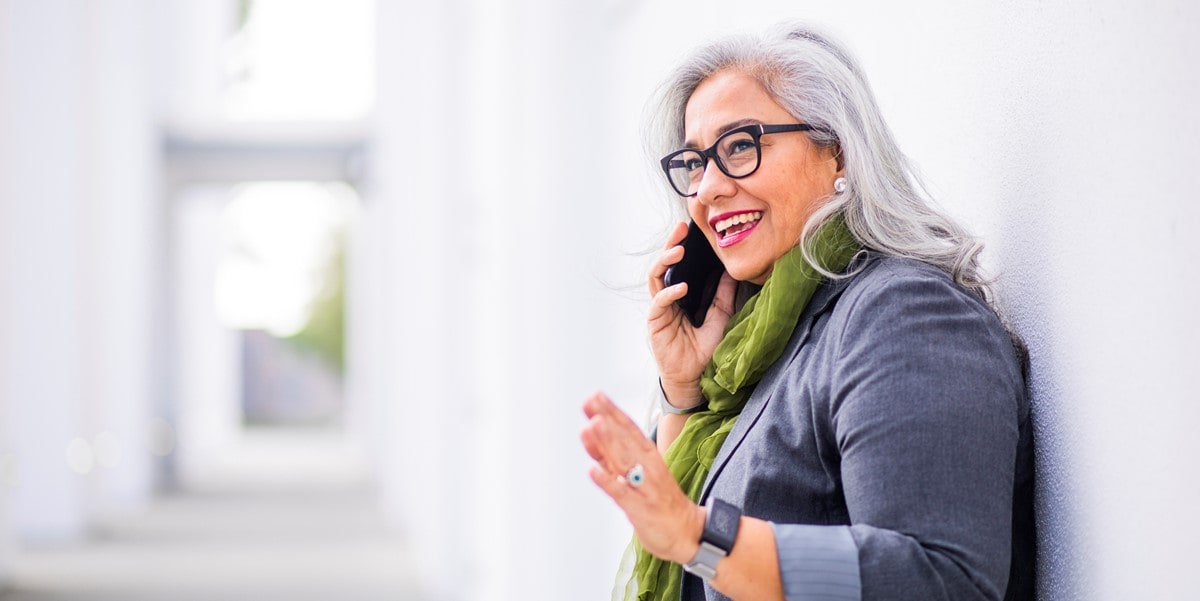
{"type": "Point", "coordinates": [701, 269]}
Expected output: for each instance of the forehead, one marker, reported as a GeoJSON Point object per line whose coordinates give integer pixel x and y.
{"type": "Point", "coordinates": [724, 98]}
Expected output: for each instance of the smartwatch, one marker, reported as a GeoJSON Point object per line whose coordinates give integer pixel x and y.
{"type": "Point", "coordinates": [720, 531]}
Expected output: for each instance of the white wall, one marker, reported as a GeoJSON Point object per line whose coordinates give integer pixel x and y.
{"type": "Point", "coordinates": [493, 323]}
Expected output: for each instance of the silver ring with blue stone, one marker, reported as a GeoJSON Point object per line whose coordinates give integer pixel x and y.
{"type": "Point", "coordinates": [636, 475]}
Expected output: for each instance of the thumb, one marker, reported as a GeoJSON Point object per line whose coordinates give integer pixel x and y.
{"type": "Point", "coordinates": [722, 307]}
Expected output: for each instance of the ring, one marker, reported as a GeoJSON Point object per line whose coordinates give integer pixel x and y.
{"type": "Point", "coordinates": [636, 475]}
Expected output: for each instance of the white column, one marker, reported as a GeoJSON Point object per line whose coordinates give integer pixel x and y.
{"type": "Point", "coordinates": [7, 257]}
{"type": "Point", "coordinates": [493, 201]}
{"type": "Point", "coordinates": [122, 209]}
{"type": "Point", "coordinates": [412, 206]}
{"type": "Point", "coordinates": [41, 169]}
{"type": "Point", "coordinates": [190, 37]}
{"type": "Point", "coordinates": [207, 358]}
{"type": "Point", "coordinates": [78, 188]}
{"type": "Point", "coordinates": [573, 210]}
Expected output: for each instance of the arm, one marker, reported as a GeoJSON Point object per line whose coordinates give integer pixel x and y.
{"type": "Point", "coordinates": [669, 427]}
{"type": "Point", "coordinates": [924, 405]}
{"type": "Point", "coordinates": [751, 571]}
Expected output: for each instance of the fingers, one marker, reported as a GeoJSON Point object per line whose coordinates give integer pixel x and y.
{"type": "Point", "coordinates": [614, 487]}
{"type": "Point", "coordinates": [672, 253]}
{"type": "Point", "coordinates": [594, 442]}
{"type": "Point", "coordinates": [617, 487]}
{"type": "Point", "coordinates": [611, 437]}
{"type": "Point", "coordinates": [658, 270]}
{"type": "Point", "coordinates": [662, 305]}
{"type": "Point", "coordinates": [657, 507]}
{"type": "Point", "coordinates": [657, 479]}
{"type": "Point", "coordinates": [678, 233]}
{"type": "Point", "coordinates": [600, 403]}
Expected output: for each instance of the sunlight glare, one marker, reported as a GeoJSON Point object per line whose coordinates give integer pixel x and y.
{"type": "Point", "coordinates": [279, 238]}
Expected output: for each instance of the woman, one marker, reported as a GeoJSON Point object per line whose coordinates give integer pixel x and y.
{"type": "Point", "coordinates": [850, 419]}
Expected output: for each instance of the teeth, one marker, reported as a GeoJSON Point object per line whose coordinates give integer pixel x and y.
{"type": "Point", "coordinates": [725, 224]}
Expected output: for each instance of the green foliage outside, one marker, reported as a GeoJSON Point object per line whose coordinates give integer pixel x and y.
{"type": "Point", "coordinates": [325, 332]}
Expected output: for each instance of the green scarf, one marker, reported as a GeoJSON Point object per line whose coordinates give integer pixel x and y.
{"type": "Point", "coordinates": [754, 339]}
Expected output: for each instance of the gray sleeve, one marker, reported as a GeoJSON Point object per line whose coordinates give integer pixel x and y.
{"type": "Point", "coordinates": [817, 563]}
{"type": "Point", "coordinates": [924, 405]}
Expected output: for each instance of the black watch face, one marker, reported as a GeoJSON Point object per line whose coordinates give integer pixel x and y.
{"type": "Point", "coordinates": [722, 524]}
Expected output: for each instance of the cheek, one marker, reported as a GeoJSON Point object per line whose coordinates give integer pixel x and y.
{"type": "Point", "coordinates": [787, 196]}
{"type": "Point", "coordinates": [799, 211]}
{"type": "Point", "coordinates": [695, 211]}
{"type": "Point", "coordinates": [794, 212]}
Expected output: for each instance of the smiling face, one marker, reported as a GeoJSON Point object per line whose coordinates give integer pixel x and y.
{"type": "Point", "coordinates": [754, 220]}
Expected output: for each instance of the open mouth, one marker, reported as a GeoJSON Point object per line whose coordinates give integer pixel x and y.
{"type": "Point", "coordinates": [732, 228]}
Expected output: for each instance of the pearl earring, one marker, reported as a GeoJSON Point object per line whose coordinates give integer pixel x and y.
{"type": "Point", "coordinates": [839, 185]}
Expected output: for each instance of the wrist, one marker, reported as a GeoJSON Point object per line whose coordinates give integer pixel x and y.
{"type": "Point", "coordinates": [681, 398]}
{"type": "Point", "coordinates": [688, 543]}
{"type": "Point", "coordinates": [722, 521]}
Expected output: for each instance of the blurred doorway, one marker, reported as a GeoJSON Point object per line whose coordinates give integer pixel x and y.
{"type": "Point", "coordinates": [258, 308]}
{"type": "Point", "coordinates": [263, 152]}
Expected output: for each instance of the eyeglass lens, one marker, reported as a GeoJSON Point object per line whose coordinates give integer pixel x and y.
{"type": "Point", "coordinates": [737, 155]}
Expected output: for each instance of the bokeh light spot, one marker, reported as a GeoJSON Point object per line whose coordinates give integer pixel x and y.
{"type": "Point", "coordinates": [160, 437]}
{"type": "Point", "coordinates": [107, 449]}
{"type": "Point", "coordinates": [79, 456]}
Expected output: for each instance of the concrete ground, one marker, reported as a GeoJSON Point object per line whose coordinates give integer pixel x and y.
{"type": "Point", "coordinates": [286, 515]}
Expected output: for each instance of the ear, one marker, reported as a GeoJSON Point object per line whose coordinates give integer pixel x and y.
{"type": "Point", "coordinates": [833, 151]}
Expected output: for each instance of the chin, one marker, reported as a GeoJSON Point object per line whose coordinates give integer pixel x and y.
{"type": "Point", "coordinates": [746, 273]}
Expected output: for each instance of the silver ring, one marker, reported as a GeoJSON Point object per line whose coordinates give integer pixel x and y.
{"type": "Point", "coordinates": [636, 475]}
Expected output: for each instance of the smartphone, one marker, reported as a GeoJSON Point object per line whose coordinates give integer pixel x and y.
{"type": "Point", "coordinates": [701, 269]}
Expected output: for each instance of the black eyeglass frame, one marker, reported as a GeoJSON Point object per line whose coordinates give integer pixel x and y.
{"type": "Point", "coordinates": [756, 131]}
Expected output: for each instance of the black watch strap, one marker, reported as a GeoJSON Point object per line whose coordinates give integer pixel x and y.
{"type": "Point", "coordinates": [720, 532]}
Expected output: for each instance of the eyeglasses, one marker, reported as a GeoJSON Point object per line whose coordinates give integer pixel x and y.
{"type": "Point", "coordinates": [737, 154]}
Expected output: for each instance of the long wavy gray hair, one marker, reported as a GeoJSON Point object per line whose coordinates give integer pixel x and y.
{"type": "Point", "coordinates": [818, 82]}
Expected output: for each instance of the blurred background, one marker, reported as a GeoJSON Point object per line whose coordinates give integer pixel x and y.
{"type": "Point", "coordinates": [301, 298]}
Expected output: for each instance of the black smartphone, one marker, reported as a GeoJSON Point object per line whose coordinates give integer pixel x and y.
{"type": "Point", "coordinates": [701, 269]}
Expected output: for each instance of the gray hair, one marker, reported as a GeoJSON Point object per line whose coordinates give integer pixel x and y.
{"type": "Point", "coordinates": [885, 204]}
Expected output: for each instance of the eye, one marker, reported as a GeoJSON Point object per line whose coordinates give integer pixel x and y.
{"type": "Point", "coordinates": [694, 163]}
{"type": "Point", "coordinates": [741, 145]}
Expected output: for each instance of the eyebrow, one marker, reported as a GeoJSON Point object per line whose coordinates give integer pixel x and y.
{"type": "Point", "coordinates": [725, 128]}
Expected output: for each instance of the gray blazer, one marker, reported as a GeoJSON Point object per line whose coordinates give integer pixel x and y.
{"type": "Point", "coordinates": [890, 446]}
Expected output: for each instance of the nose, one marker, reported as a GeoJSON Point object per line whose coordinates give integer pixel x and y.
{"type": "Point", "coordinates": [714, 184]}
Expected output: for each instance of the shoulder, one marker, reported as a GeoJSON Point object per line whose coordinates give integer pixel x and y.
{"type": "Point", "coordinates": [901, 317]}
{"type": "Point", "coordinates": [888, 288]}
{"type": "Point", "coordinates": [905, 339]}
{"type": "Point", "coordinates": [898, 307]}
{"type": "Point", "coordinates": [883, 273]}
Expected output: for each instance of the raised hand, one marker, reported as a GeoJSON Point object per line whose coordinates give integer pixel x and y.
{"type": "Point", "coordinates": [665, 520]}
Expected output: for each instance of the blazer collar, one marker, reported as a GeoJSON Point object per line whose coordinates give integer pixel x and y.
{"type": "Point", "coordinates": [820, 302]}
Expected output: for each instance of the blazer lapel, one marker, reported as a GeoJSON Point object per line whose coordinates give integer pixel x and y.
{"type": "Point", "coordinates": [820, 302]}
